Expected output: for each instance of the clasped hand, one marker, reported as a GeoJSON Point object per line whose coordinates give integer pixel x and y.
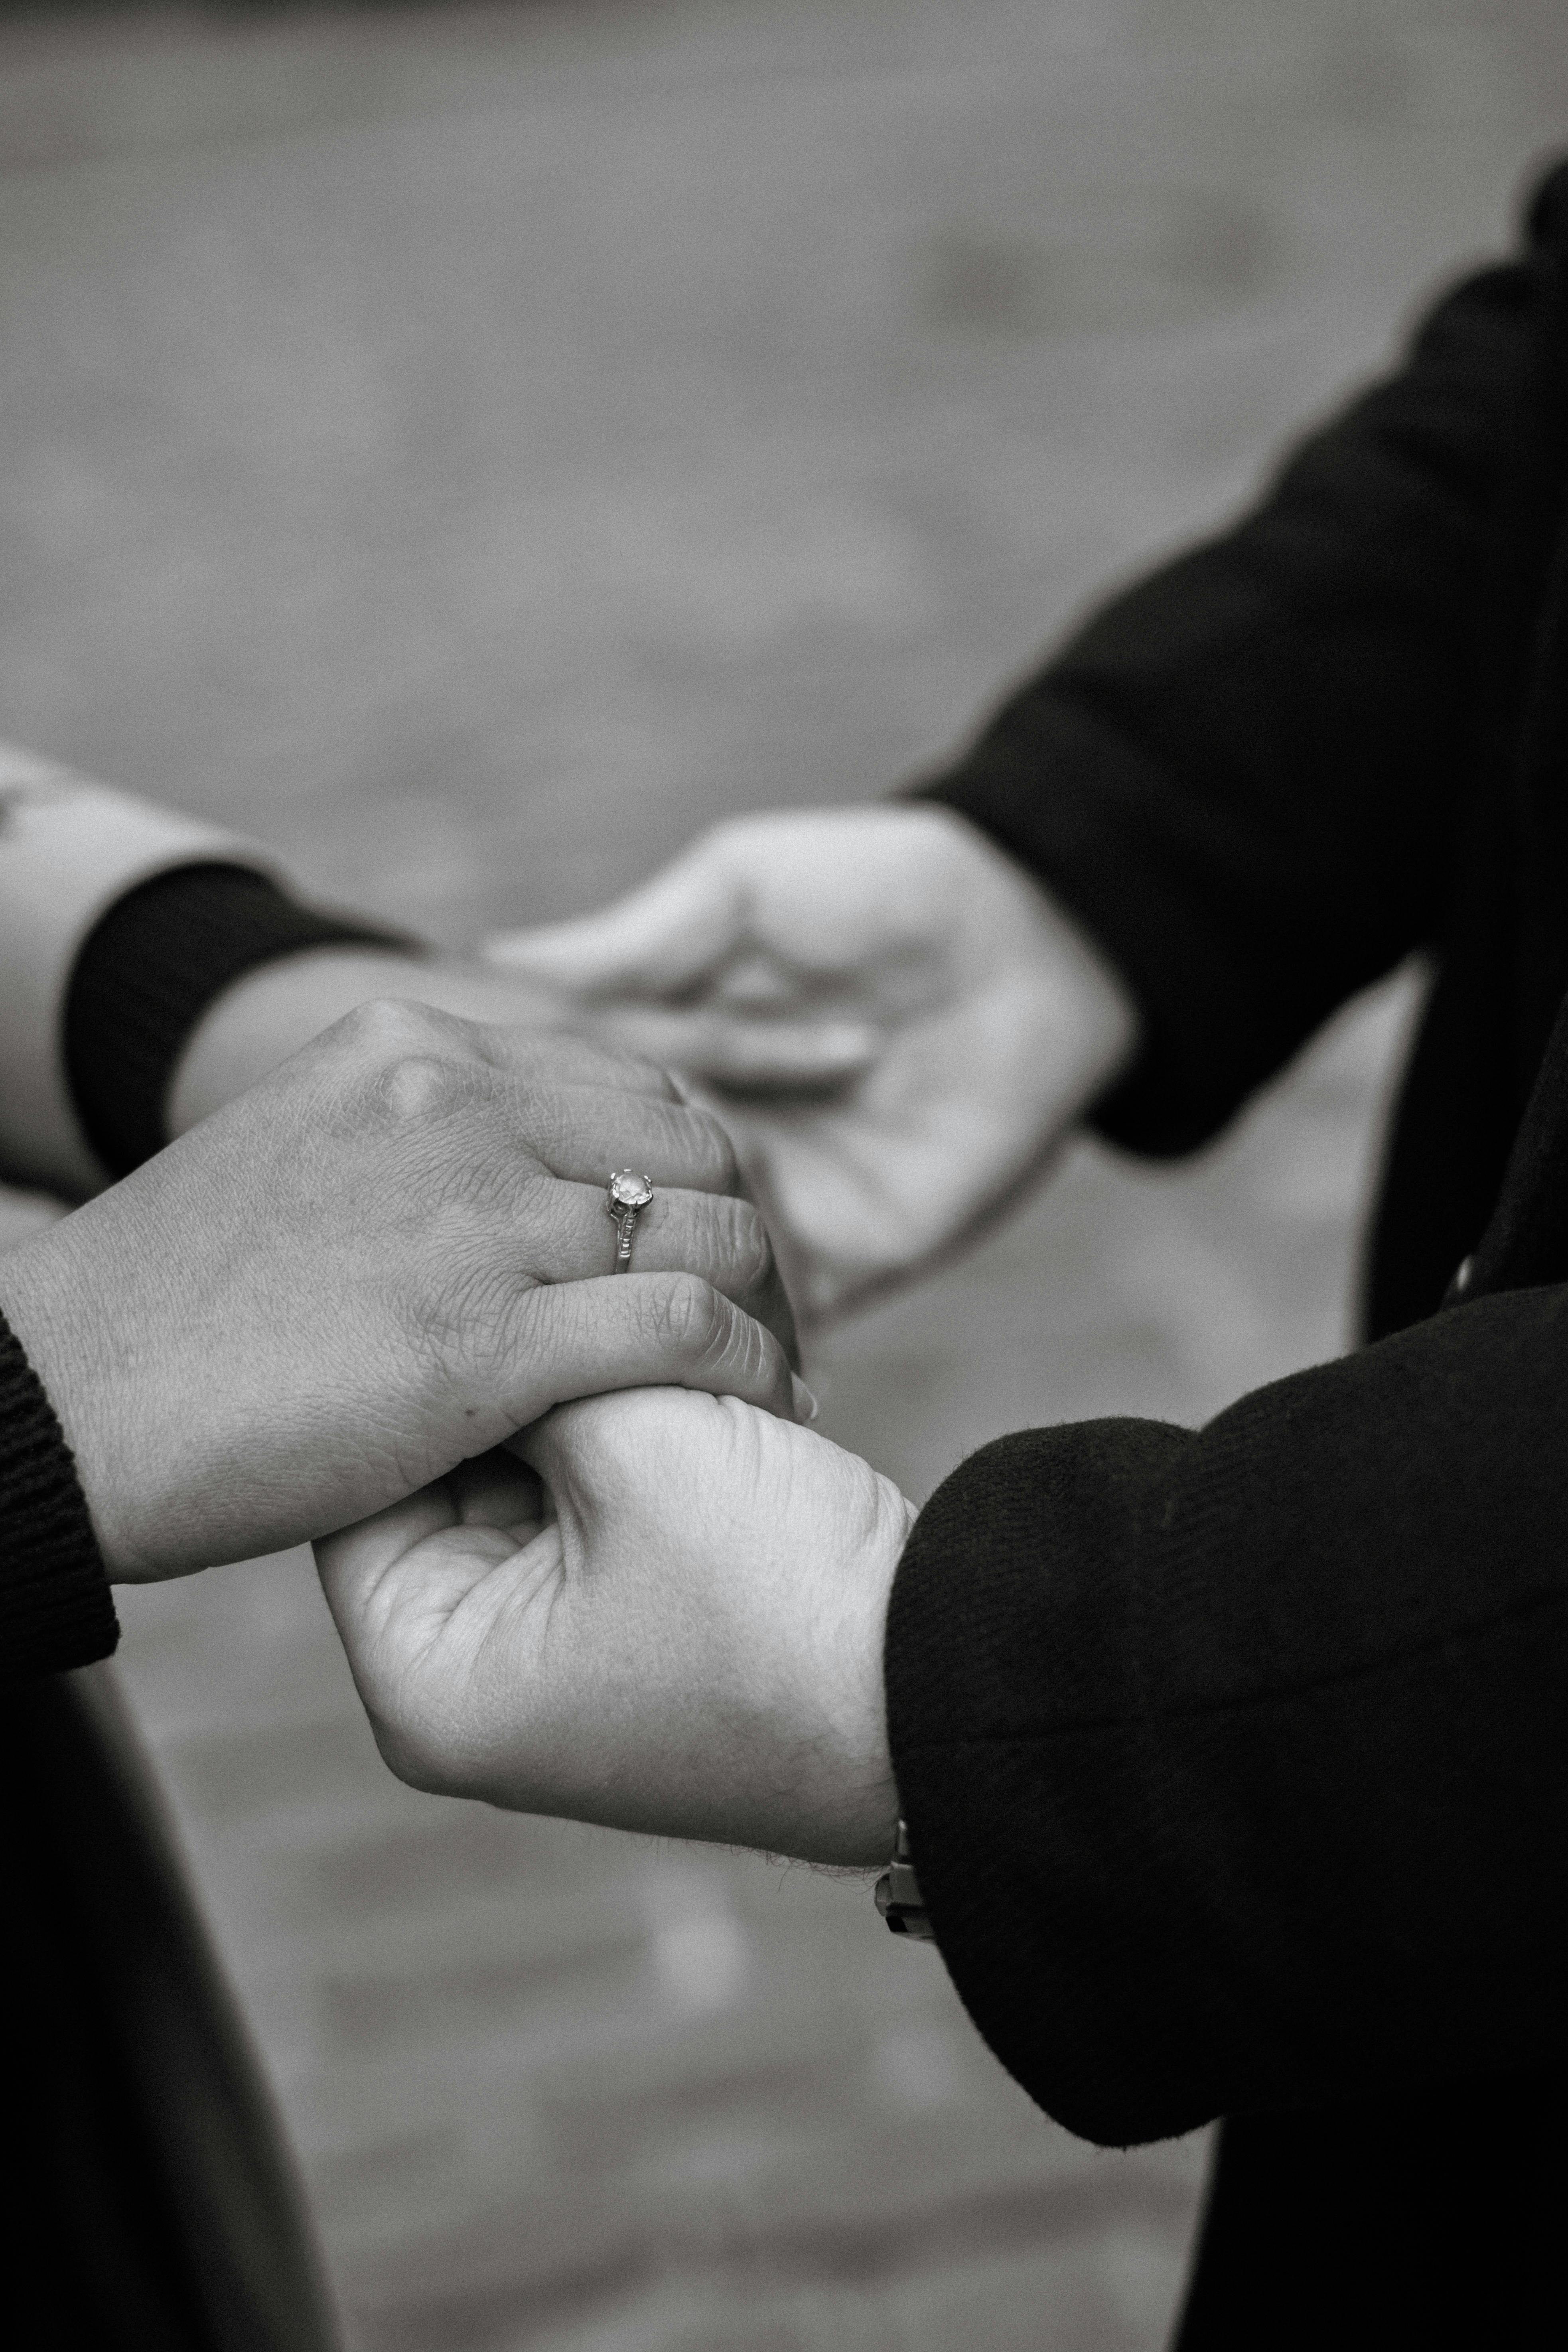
{"type": "Point", "coordinates": [665, 1611]}
{"type": "Point", "coordinates": [342, 1299]}
{"type": "Point", "coordinates": [660, 1611]}
{"type": "Point", "coordinates": [376, 1264]}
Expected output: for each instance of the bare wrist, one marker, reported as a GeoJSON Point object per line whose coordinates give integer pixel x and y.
{"type": "Point", "coordinates": [857, 1812]}
{"type": "Point", "coordinates": [278, 1007]}
{"type": "Point", "coordinates": [1100, 1023]}
{"type": "Point", "coordinates": [51, 1314]}
{"type": "Point", "coordinates": [271, 1012]}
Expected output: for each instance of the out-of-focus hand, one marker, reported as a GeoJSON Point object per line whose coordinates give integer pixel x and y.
{"type": "Point", "coordinates": [383, 1259]}
{"type": "Point", "coordinates": [896, 1022]}
{"type": "Point", "coordinates": [670, 1620]}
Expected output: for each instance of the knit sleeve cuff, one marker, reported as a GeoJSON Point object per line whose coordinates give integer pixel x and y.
{"type": "Point", "coordinates": [148, 971]}
{"type": "Point", "coordinates": [70, 848]}
{"type": "Point", "coordinates": [55, 1610]}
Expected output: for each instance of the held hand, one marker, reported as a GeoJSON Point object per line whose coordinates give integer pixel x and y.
{"type": "Point", "coordinates": [378, 1262]}
{"type": "Point", "coordinates": [671, 1620]}
{"type": "Point", "coordinates": [896, 1025]}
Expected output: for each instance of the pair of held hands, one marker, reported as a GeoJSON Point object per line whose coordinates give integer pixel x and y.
{"type": "Point", "coordinates": [598, 1566]}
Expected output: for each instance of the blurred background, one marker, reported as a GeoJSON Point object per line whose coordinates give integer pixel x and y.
{"type": "Point", "coordinates": [473, 447]}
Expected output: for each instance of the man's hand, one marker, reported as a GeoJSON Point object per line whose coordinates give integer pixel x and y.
{"type": "Point", "coordinates": [670, 1620]}
{"type": "Point", "coordinates": [378, 1262]}
{"type": "Point", "coordinates": [896, 1024]}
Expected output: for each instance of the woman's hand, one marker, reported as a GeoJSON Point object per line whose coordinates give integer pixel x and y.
{"type": "Point", "coordinates": [667, 1614]}
{"type": "Point", "coordinates": [273, 1009]}
{"type": "Point", "coordinates": [896, 1022]}
{"type": "Point", "coordinates": [382, 1260]}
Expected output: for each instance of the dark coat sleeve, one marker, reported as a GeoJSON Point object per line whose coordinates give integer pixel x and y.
{"type": "Point", "coordinates": [1249, 775]}
{"type": "Point", "coordinates": [1236, 1762]}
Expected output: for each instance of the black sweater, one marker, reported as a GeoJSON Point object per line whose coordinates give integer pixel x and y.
{"type": "Point", "coordinates": [1236, 1763]}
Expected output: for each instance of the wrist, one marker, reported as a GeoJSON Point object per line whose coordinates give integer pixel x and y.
{"type": "Point", "coordinates": [854, 1818]}
{"type": "Point", "coordinates": [271, 1012]}
{"type": "Point", "coordinates": [1096, 1015]}
{"type": "Point", "coordinates": [61, 1332]}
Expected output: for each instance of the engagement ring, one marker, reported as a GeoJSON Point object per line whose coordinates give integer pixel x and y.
{"type": "Point", "coordinates": [628, 1193]}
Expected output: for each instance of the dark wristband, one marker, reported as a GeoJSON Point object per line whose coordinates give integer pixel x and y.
{"type": "Point", "coordinates": [148, 971]}
{"type": "Point", "coordinates": [56, 1609]}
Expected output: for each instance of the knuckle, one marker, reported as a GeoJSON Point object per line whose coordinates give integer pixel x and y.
{"type": "Point", "coordinates": [713, 1151]}
{"type": "Point", "coordinates": [747, 1249]}
{"type": "Point", "coordinates": [691, 1318]}
{"type": "Point", "coordinates": [416, 1087]}
{"type": "Point", "coordinates": [385, 1027]}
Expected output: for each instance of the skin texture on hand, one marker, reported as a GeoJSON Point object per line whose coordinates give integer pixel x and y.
{"type": "Point", "coordinates": [898, 1026]}
{"type": "Point", "coordinates": [665, 1614]}
{"type": "Point", "coordinates": [379, 1262]}
{"type": "Point", "coordinates": [273, 1011]}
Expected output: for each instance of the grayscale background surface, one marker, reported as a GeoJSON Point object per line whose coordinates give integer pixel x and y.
{"type": "Point", "coordinates": [472, 448]}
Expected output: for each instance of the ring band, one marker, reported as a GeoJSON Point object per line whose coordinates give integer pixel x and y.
{"type": "Point", "coordinates": [628, 1193]}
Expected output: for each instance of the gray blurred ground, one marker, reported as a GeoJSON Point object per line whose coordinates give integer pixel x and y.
{"type": "Point", "coordinates": [472, 448]}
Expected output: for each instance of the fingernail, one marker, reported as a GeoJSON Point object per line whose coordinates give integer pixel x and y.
{"type": "Point", "coordinates": [806, 1405]}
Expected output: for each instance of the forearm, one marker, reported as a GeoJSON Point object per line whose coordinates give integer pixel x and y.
{"type": "Point", "coordinates": [273, 1009]}
{"type": "Point", "coordinates": [1236, 1762]}
{"type": "Point", "coordinates": [196, 983]}
{"type": "Point", "coordinates": [1252, 775]}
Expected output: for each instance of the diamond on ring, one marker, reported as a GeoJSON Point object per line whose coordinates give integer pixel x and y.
{"type": "Point", "coordinates": [628, 1193]}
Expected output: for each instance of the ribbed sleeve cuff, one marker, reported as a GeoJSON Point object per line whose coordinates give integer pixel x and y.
{"type": "Point", "coordinates": [55, 1610]}
{"type": "Point", "coordinates": [149, 970]}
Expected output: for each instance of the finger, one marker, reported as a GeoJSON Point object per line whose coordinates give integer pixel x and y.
{"type": "Point", "coordinates": [582, 1133]}
{"type": "Point", "coordinates": [653, 1330]}
{"type": "Point", "coordinates": [354, 1560]}
{"type": "Point", "coordinates": [388, 1031]}
{"type": "Point", "coordinates": [758, 1053]}
{"type": "Point", "coordinates": [663, 936]}
{"type": "Point", "coordinates": [578, 1061]}
{"type": "Point", "coordinates": [712, 1235]}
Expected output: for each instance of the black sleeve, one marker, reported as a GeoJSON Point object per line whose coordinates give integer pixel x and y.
{"type": "Point", "coordinates": [55, 1605]}
{"type": "Point", "coordinates": [147, 973]}
{"type": "Point", "coordinates": [1249, 776]}
{"type": "Point", "coordinates": [1236, 1762]}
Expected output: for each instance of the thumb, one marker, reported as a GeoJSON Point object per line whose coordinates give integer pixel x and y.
{"type": "Point", "coordinates": [662, 937]}
{"type": "Point", "coordinates": [578, 1450]}
{"type": "Point", "coordinates": [546, 1445]}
